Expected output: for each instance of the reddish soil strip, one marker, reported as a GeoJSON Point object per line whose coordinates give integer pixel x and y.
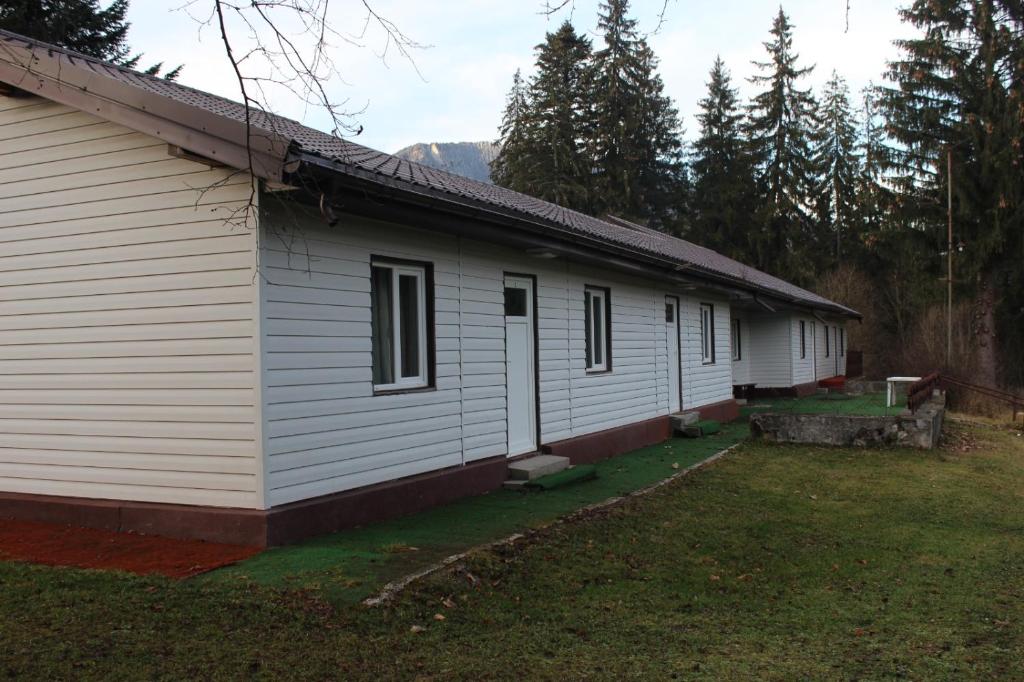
{"type": "Point", "coordinates": [57, 545]}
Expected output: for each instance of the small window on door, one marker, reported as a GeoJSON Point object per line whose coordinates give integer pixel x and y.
{"type": "Point", "coordinates": [597, 329]}
{"type": "Point", "coordinates": [707, 333]}
{"type": "Point", "coordinates": [515, 302]}
{"type": "Point", "coordinates": [398, 312]}
{"type": "Point", "coordinates": [737, 341]}
{"type": "Point", "coordinates": [670, 313]}
{"type": "Point", "coordinates": [803, 339]}
{"type": "Point", "coordinates": [827, 344]}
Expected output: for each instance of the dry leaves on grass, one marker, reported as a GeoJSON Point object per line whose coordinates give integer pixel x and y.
{"type": "Point", "coordinates": [960, 440]}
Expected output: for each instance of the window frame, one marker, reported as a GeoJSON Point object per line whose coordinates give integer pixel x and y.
{"type": "Point", "coordinates": [803, 340]}
{"type": "Point", "coordinates": [842, 342]}
{"type": "Point", "coordinates": [737, 339]}
{"type": "Point", "coordinates": [707, 333]}
{"type": "Point", "coordinates": [590, 332]}
{"type": "Point", "coordinates": [828, 343]}
{"type": "Point", "coordinates": [425, 379]}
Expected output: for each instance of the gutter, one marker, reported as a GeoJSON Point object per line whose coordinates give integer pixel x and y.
{"type": "Point", "coordinates": [438, 200]}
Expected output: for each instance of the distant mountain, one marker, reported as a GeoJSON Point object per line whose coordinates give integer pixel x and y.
{"type": "Point", "coordinates": [469, 159]}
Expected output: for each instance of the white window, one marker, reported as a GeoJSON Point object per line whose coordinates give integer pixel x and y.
{"type": "Point", "coordinates": [737, 342]}
{"type": "Point", "coordinates": [827, 344]}
{"type": "Point", "coordinates": [803, 339]}
{"type": "Point", "coordinates": [597, 329]}
{"type": "Point", "coordinates": [398, 306]}
{"type": "Point", "coordinates": [707, 333]}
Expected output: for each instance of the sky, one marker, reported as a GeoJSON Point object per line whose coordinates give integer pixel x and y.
{"type": "Point", "coordinates": [453, 88]}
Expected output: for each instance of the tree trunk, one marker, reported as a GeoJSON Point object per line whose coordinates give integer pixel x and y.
{"type": "Point", "coordinates": [985, 341]}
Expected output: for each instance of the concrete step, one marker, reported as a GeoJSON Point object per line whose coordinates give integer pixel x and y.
{"type": "Point", "coordinates": [535, 467]}
{"type": "Point", "coordinates": [682, 420]}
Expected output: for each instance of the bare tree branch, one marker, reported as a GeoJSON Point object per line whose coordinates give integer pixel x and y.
{"type": "Point", "coordinates": [550, 8]}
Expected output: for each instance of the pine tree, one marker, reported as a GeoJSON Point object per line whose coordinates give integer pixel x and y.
{"type": "Point", "coordinates": [513, 166]}
{"type": "Point", "coordinates": [79, 25]}
{"type": "Point", "coordinates": [873, 195]}
{"type": "Point", "coordinates": [636, 148]}
{"type": "Point", "coordinates": [663, 176]}
{"type": "Point", "coordinates": [558, 120]}
{"type": "Point", "coordinates": [958, 90]}
{"type": "Point", "coordinates": [837, 165]}
{"type": "Point", "coordinates": [722, 175]}
{"type": "Point", "coordinates": [780, 120]}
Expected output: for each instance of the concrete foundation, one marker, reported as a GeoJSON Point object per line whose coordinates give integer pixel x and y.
{"type": "Point", "coordinates": [919, 430]}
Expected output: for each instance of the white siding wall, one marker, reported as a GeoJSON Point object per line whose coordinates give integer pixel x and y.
{"type": "Point", "coordinates": [842, 356]}
{"type": "Point", "coordinates": [327, 432]}
{"type": "Point", "coordinates": [127, 317]}
{"type": "Point", "coordinates": [826, 359]}
{"type": "Point", "coordinates": [705, 384]}
{"type": "Point", "coordinates": [827, 366]}
{"type": "Point", "coordinates": [823, 355]}
{"type": "Point", "coordinates": [803, 368]}
{"type": "Point", "coordinates": [741, 368]}
{"type": "Point", "coordinates": [771, 356]}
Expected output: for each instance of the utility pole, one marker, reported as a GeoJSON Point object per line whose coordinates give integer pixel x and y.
{"type": "Point", "coordinates": [949, 258]}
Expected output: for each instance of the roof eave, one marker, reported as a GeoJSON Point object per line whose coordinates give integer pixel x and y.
{"type": "Point", "coordinates": [74, 82]}
{"type": "Point", "coordinates": [393, 187]}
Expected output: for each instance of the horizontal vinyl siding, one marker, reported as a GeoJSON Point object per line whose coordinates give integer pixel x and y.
{"type": "Point", "coordinates": [842, 356]}
{"type": "Point", "coordinates": [834, 364]}
{"type": "Point", "coordinates": [771, 343]}
{"type": "Point", "coordinates": [327, 431]}
{"type": "Point", "coordinates": [705, 384]}
{"type": "Point", "coordinates": [825, 366]}
{"type": "Point", "coordinates": [127, 321]}
{"type": "Point", "coordinates": [741, 368]}
{"type": "Point", "coordinates": [804, 368]}
{"type": "Point", "coordinates": [629, 392]}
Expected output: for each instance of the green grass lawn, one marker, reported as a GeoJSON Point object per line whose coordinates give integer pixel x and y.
{"type": "Point", "coordinates": [868, 404]}
{"type": "Point", "coordinates": [346, 567]}
{"type": "Point", "coordinates": [775, 562]}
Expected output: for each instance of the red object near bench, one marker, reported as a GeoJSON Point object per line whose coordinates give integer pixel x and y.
{"type": "Point", "coordinates": [833, 383]}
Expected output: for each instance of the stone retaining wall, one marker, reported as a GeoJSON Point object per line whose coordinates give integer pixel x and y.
{"type": "Point", "coordinates": [918, 430]}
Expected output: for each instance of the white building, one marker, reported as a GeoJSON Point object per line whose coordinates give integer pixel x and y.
{"type": "Point", "coordinates": [190, 350]}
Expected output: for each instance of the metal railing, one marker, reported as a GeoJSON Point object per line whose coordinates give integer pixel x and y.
{"type": "Point", "coordinates": [919, 392]}
{"type": "Point", "coordinates": [1016, 402]}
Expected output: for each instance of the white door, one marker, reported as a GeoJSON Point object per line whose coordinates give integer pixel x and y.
{"type": "Point", "coordinates": [520, 367]}
{"type": "Point", "coordinates": [672, 343]}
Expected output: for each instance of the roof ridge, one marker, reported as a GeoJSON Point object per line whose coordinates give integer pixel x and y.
{"type": "Point", "coordinates": [359, 157]}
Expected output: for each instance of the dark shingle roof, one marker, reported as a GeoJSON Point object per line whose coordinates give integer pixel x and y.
{"type": "Point", "coordinates": [398, 172]}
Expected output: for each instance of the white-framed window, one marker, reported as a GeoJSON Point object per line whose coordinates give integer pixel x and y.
{"type": "Point", "coordinates": [597, 328]}
{"type": "Point", "coordinates": [842, 342]}
{"type": "Point", "coordinates": [399, 320]}
{"type": "Point", "coordinates": [827, 344]}
{"type": "Point", "coordinates": [803, 339]}
{"type": "Point", "coordinates": [707, 333]}
{"type": "Point", "coordinates": [737, 340]}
